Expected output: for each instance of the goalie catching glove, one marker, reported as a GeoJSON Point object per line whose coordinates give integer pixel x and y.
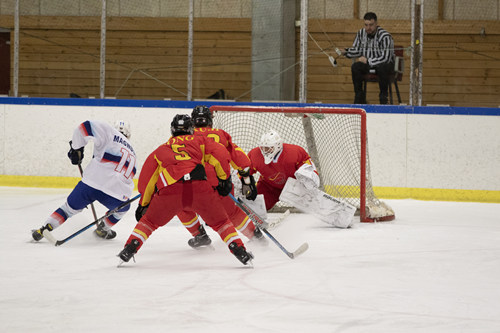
{"type": "Point", "coordinates": [75, 155]}
{"type": "Point", "coordinates": [225, 186]}
{"type": "Point", "coordinates": [248, 188]}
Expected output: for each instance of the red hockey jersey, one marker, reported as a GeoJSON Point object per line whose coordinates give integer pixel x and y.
{"type": "Point", "coordinates": [284, 165]}
{"type": "Point", "coordinates": [178, 157]}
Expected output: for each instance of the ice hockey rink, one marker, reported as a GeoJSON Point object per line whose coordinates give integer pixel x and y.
{"type": "Point", "coordinates": [436, 268]}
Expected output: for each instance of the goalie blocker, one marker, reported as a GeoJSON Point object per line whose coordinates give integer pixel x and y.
{"type": "Point", "coordinates": [318, 203]}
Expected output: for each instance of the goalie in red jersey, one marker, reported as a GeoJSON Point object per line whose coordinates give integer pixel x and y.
{"type": "Point", "coordinates": [287, 173]}
{"type": "Point", "coordinates": [173, 179]}
{"type": "Point", "coordinates": [276, 162]}
{"type": "Point", "coordinates": [202, 119]}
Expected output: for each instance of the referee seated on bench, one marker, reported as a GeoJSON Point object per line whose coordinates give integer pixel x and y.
{"type": "Point", "coordinates": [374, 49]}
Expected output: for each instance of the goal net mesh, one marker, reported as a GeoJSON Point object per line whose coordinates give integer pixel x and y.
{"type": "Point", "coordinates": [335, 139]}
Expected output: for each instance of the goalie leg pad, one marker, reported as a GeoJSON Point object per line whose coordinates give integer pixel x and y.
{"type": "Point", "coordinates": [318, 203]}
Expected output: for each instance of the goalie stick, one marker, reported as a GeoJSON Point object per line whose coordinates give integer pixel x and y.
{"type": "Point", "coordinates": [274, 224]}
{"type": "Point", "coordinates": [51, 238]}
{"type": "Point", "coordinates": [256, 219]}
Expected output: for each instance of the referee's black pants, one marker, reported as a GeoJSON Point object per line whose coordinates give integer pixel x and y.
{"type": "Point", "coordinates": [360, 69]}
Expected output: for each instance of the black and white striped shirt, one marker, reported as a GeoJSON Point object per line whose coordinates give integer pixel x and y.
{"type": "Point", "coordinates": [378, 50]}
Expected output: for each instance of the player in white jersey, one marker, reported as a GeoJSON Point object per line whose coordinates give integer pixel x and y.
{"type": "Point", "coordinates": [108, 178]}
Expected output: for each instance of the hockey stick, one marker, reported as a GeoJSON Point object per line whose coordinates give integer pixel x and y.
{"type": "Point", "coordinates": [333, 60]}
{"type": "Point", "coordinates": [256, 219]}
{"type": "Point", "coordinates": [91, 204]}
{"type": "Point", "coordinates": [51, 238]}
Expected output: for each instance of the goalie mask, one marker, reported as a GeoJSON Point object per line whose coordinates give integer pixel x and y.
{"type": "Point", "coordinates": [123, 127]}
{"type": "Point", "coordinates": [181, 125]}
{"type": "Point", "coordinates": [202, 117]}
{"type": "Point", "coordinates": [270, 145]}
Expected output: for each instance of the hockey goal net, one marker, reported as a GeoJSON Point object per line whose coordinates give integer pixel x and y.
{"type": "Point", "coordinates": [335, 138]}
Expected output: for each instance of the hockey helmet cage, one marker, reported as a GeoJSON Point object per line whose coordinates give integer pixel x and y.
{"type": "Point", "coordinates": [123, 127]}
{"type": "Point", "coordinates": [202, 117]}
{"type": "Point", "coordinates": [270, 145]}
{"type": "Point", "coordinates": [181, 124]}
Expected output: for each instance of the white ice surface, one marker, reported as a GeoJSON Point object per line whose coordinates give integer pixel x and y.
{"type": "Point", "coordinates": [436, 268]}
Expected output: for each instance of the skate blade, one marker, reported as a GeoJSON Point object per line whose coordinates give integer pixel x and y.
{"type": "Point", "coordinates": [48, 236]}
{"type": "Point", "coordinates": [204, 248]}
{"type": "Point", "coordinates": [250, 264]}
{"type": "Point", "coordinates": [121, 262]}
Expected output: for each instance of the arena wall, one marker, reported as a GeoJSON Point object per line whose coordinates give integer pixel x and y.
{"type": "Point", "coordinates": [438, 153]}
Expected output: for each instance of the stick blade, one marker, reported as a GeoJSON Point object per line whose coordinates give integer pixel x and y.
{"type": "Point", "coordinates": [303, 248]}
{"type": "Point", "coordinates": [48, 236]}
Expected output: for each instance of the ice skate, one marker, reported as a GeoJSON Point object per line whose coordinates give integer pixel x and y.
{"type": "Point", "coordinates": [129, 251]}
{"type": "Point", "coordinates": [241, 253]}
{"type": "Point", "coordinates": [104, 231]}
{"type": "Point", "coordinates": [258, 237]}
{"type": "Point", "coordinates": [38, 234]}
{"type": "Point", "coordinates": [202, 239]}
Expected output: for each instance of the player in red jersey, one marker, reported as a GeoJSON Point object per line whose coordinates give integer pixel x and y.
{"type": "Point", "coordinates": [173, 179]}
{"type": "Point", "coordinates": [276, 162]}
{"type": "Point", "coordinates": [202, 119]}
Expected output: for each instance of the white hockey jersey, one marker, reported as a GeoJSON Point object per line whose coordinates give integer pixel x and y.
{"type": "Point", "coordinates": [113, 165]}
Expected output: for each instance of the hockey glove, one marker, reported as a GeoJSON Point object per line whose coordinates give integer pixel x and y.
{"type": "Point", "coordinates": [140, 211]}
{"type": "Point", "coordinates": [75, 155]}
{"type": "Point", "coordinates": [224, 187]}
{"type": "Point", "coordinates": [248, 188]}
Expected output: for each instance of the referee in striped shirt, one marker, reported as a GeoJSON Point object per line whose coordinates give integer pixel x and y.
{"type": "Point", "coordinates": [374, 49]}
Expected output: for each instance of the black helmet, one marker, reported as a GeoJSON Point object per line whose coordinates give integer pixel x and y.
{"type": "Point", "coordinates": [181, 124]}
{"type": "Point", "coordinates": [202, 117]}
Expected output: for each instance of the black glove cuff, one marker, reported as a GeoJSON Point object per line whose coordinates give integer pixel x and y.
{"type": "Point", "coordinates": [244, 173]}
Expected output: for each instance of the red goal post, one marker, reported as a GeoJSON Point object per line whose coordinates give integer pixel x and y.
{"type": "Point", "coordinates": [336, 139]}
